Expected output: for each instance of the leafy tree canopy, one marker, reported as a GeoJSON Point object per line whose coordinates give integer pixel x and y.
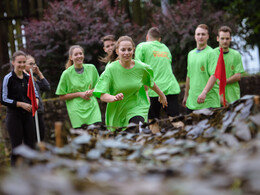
{"type": "Point", "coordinates": [71, 22]}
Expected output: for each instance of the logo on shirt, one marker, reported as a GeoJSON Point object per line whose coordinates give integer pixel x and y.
{"type": "Point", "coordinates": [162, 54]}
{"type": "Point", "coordinates": [232, 67]}
{"type": "Point", "coordinates": [202, 68]}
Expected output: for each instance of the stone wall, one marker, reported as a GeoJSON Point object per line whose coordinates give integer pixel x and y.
{"type": "Point", "coordinates": [55, 109]}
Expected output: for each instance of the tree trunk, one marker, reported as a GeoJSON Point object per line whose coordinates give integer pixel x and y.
{"type": "Point", "coordinates": [124, 4]}
{"type": "Point", "coordinates": [4, 57]}
{"type": "Point", "coordinates": [137, 12]}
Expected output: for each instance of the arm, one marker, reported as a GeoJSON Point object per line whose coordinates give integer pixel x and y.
{"type": "Point", "coordinates": [186, 93]}
{"type": "Point", "coordinates": [37, 71]}
{"type": "Point", "coordinates": [234, 78]}
{"type": "Point", "coordinates": [105, 97]}
{"type": "Point", "coordinates": [146, 91]}
{"type": "Point", "coordinates": [84, 95]}
{"type": "Point", "coordinates": [25, 106]}
{"type": "Point", "coordinates": [162, 97]}
{"type": "Point", "coordinates": [212, 80]}
{"type": "Point", "coordinates": [43, 83]}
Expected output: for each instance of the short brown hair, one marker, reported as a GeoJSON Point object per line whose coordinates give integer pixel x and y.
{"type": "Point", "coordinates": [225, 29]}
{"type": "Point", "coordinates": [154, 33]}
{"type": "Point", "coordinates": [203, 26]}
{"type": "Point", "coordinates": [108, 38]}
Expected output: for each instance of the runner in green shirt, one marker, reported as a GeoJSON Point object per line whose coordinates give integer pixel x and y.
{"type": "Point", "coordinates": [198, 72]}
{"type": "Point", "coordinates": [122, 86]}
{"type": "Point", "coordinates": [76, 86]}
{"type": "Point", "coordinates": [233, 64]}
{"type": "Point", "coordinates": [159, 57]}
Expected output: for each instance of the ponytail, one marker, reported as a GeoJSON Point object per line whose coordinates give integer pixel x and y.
{"type": "Point", "coordinates": [68, 64]}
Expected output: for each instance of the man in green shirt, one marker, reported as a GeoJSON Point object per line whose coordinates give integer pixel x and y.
{"type": "Point", "coordinates": [159, 57]}
{"type": "Point", "coordinates": [233, 65]}
{"type": "Point", "coordinates": [199, 71]}
{"type": "Point", "coordinates": [109, 42]}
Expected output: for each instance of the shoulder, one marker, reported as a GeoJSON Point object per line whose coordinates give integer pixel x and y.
{"type": "Point", "coordinates": [7, 77]}
{"type": "Point", "coordinates": [208, 48]}
{"type": "Point", "coordinates": [67, 71]}
{"type": "Point", "coordinates": [215, 50]}
{"type": "Point", "coordinates": [113, 65]}
{"type": "Point", "coordinates": [192, 51]}
{"type": "Point", "coordinates": [141, 64]}
{"type": "Point", "coordinates": [10, 74]}
{"type": "Point", "coordinates": [234, 52]}
{"type": "Point", "coordinates": [90, 66]}
{"type": "Point", "coordinates": [110, 68]}
{"type": "Point", "coordinates": [142, 44]}
{"type": "Point", "coordinates": [26, 75]}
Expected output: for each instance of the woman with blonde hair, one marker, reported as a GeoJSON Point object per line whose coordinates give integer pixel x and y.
{"type": "Point", "coordinates": [76, 86]}
{"type": "Point", "coordinates": [122, 86]}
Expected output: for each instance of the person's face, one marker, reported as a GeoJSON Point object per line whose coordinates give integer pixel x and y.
{"type": "Point", "coordinates": [224, 40]}
{"type": "Point", "coordinates": [19, 63]}
{"type": "Point", "coordinates": [77, 56]}
{"type": "Point", "coordinates": [125, 51]}
{"type": "Point", "coordinates": [30, 62]}
{"type": "Point", "coordinates": [201, 36]}
{"type": "Point", "coordinates": [108, 46]}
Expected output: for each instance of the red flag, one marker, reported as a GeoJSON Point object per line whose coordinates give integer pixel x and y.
{"type": "Point", "coordinates": [220, 73]}
{"type": "Point", "coordinates": [31, 95]}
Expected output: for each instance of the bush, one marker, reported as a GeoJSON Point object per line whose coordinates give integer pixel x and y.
{"type": "Point", "coordinates": [178, 26]}
{"type": "Point", "coordinates": [74, 22]}
{"type": "Point", "coordinates": [70, 22]}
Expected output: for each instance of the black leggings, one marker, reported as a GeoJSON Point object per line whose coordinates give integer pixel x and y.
{"type": "Point", "coordinates": [172, 109]}
{"type": "Point", "coordinates": [21, 130]}
{"type": "Point", "coordinates": [136, 119]}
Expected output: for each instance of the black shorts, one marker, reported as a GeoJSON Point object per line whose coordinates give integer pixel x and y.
{"type": "Point", "coordinates": [136, 119]}
{"type": "Point", "coordinates": [171, 110]}
{"type": "Point", "coordinates": [188, 111]}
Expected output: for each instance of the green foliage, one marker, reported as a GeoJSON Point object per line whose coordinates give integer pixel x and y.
{"type": "Point", "coordinates": [178, 27]}
{"type": "Point", "coordinates": [70, 22]}
{"type": "Point", "coordinates": [247, 16]}
{"type": "Point", "coordinates": [73, 22]}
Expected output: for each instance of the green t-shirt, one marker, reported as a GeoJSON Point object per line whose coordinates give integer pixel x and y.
{"type": "Point", "coordinates": [116, 79]}
{"type": "Point", "coordinates": [80, 111]}
{"type": "Point", "coordinates": [233, 64]}
{"type": "Point", "coordinates": [158, 56]}
{"type": "Point", "coordinates": [200, 68]}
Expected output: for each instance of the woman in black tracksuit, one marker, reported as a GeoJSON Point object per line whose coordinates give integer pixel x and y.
{"type": "Point", "coordinates": [19, 120]}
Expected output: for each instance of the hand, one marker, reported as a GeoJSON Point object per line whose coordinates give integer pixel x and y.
{"type": "Point", "coordinates": [36, 69]}
{"type": "Point", "coordinates": [162, 99]}
{"type": "Point", "coordinates": [84, 95]}
{"type": "Point", "coordinates": [201, 98]}
{"type": "Point", "coordinates": [118, 97]}
{"type": "Point", "coordinates": [89, 93]}
{"type": "Point", "coordinates": [26, 106]}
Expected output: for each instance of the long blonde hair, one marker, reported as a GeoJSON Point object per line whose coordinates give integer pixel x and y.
{"type": "Point", "coordinates": [70, 62]}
